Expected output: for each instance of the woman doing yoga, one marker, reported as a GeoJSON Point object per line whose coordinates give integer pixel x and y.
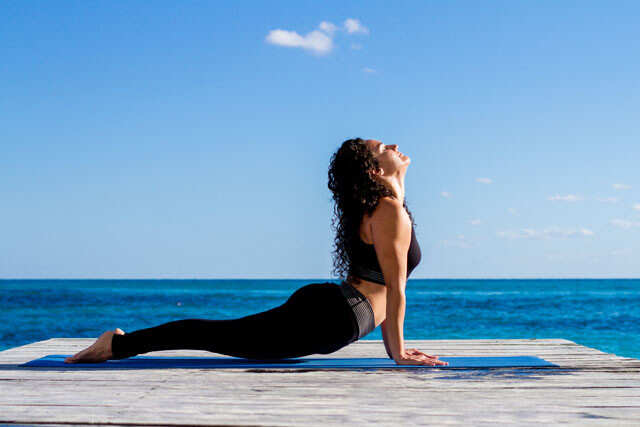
{"type": "Point", "coordinates": [375, 248]}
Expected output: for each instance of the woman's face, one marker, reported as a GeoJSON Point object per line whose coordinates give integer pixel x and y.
{"type": "Point", "coordinates": [388, 156]}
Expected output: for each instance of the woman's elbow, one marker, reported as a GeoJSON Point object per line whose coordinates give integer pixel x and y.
{"type": "Point", "coordinates": [395, 297]}
{"type": "Point", "coordinates": [395, 290]}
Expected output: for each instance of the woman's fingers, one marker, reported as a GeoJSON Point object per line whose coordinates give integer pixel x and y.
{"type": "Point", "coordinates": [415, 351]}
{"type": "Point", "coordinates": [420, 360]}
{"type": "Point", "coordinates": [429, 362]}
{"type": "Point", "coordinates": [423, 359]}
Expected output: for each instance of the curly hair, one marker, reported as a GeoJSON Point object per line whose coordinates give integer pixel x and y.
{"type": "Point", "coordinates": [355, 193]}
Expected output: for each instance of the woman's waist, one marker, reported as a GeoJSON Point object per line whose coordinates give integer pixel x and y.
{"type": "Point", "coordinates": [360, 307]}
{"type": "Point", "coordinates": [372, 290]}
{"type": "Point", "coordinates": [375, 294]}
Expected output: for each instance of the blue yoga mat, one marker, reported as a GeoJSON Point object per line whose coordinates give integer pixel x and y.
{"type": "Point", "coordinates": [151, 362]}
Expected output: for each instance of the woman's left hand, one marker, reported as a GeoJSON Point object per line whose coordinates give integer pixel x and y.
{"type": "Point", "coordinates": [416, 352]}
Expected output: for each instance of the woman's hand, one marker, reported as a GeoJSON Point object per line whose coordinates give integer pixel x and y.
{"type": "Point", "coordinates": [413, 356]}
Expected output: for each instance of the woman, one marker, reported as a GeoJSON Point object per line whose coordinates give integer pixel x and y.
{"type": "Point", "coordinates": [366, 178]}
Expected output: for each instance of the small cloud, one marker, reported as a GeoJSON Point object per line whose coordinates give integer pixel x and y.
{"type": "Point", "coordinates": [586, 232]}
{"type": "Point", "coordinates": [368, 70]}
{"type": "Point", "coordinates": [484, 180]}
{"type": "Point", "coordinates": [353, 26]}
{"type": "Point", "coordinates": [315, 41]}
{"type": "Point", "coordinates": [547, 233]}
{"type": "Point", "coordinates": [621, 187]}
{"type": "Point", "coordinates": [608, 199]}
{"type": "Point", "coordinates": [318, 41]}
{"type": "Point", "coordinates": [567, 198]}
{"type": "Point", "coordinates": [474, 221]}
{"type": "Point", "coordinates": [636, 206]}
{"type": "Point", "coordinates": [623, 223]}
{"type": "Point", "coordinates": [512, 211]}
{"type": "Point", "coordinates": [445, 194]}
{"type": "Point", "coordinates": [327, 27]}
{"type": "Point", "coordinates": [356, 46]}
{"type": "Point", "coordinates": [522, 234]}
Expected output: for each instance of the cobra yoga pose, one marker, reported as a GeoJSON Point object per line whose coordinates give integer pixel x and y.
{"type": "Point", "coordinates": [375, 252]}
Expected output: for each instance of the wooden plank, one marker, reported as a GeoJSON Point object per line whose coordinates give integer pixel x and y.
{"type": "Point", "coordinates": [589, 387]}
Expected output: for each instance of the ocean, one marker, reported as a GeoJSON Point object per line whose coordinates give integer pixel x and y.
{"type": "Point", "coordinates": [599, 313]}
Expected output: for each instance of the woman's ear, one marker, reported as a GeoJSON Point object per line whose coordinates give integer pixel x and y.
{"type": "Point", "coordinates": [376, 173]}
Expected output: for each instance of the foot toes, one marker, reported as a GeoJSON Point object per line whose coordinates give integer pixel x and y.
{"type": "Point", "coordinates": [98, 352]}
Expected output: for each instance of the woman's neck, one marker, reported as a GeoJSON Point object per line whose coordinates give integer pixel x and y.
{"type": "Point", "coordinates": [395, 184]}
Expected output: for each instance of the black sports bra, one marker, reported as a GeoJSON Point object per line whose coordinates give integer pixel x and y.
{"type": "Point", "coordinates": [365, 263]}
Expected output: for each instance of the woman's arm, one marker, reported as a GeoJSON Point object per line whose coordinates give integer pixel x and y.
{"type": "Point", "coordinates": [385, 338]}
{"type": "Point", "coordinates": [391, 229]}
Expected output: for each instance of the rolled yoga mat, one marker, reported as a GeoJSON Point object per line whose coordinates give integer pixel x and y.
{"type": "Point", "coordinates": [153, 362]}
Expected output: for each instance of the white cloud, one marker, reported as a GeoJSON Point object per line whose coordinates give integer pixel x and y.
{"type": "Point", "coordinates": [547, 233]}
{"type": "Point", "coordinates": [636, 206]}
{"type": "Point", "coordinates": [626, 224]}
{"type": "Point", "coordinates": [315, 41]}
{"type": "Point", "coordinates": [368, 70]}
{"type": "Point", "coordinates": [354, 26]}
{"type": "Point", "coordinates": [475, 221]}
{"type": "Point", "coordinates": [484, 180]}
{"type": "Point", "coordinates": [567, 198]}
{"type": "Point", "coordinates": [512, 211]}
{"type": "Point", "coordinates": [608, 199]}
{"type": "Point", "coordinates": [586, 232]}
{"type": "Point", "coordinates": [445, 194]}
{"type": "Point", "coordinates": [522, 234]}
{"type": "Point", "coordinates": [319, 42]}
{"type": "Point", "coordinates": [356, 46]}
{"type": "Point", "coordinates": [327, 27]}
{"type": "Point", "coordinates": [621, 187]}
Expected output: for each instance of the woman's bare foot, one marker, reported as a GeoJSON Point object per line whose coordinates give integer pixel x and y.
{"type": "Point", "coordinates": [99, 351]}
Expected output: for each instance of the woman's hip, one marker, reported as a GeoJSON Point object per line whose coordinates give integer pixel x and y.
{"type": "Point", "coordinates": [340, 306]}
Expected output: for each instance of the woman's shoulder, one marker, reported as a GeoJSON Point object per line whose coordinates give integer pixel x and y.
{"type": "Point", "coordinates": [388, 208]}
{"type": "Point", "coordinates": [390, 223]}
{"type": "Point", "coordinates": [389, 201]}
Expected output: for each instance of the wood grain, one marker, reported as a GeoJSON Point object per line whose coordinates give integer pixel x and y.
{"type": "Point", "coordinates": [589, 387]}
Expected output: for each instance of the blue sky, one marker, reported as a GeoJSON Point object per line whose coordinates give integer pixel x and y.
{"type": "Point", "coordinates": [192, 139]}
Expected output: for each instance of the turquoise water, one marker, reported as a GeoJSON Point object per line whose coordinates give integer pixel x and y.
{"type": "Point", "coordinates": [604, 314]}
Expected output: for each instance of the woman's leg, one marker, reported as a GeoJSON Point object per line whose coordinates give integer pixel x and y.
{"type": "Point", "coordinates": [315, 319]}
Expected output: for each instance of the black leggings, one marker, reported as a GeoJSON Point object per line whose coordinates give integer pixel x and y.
{"type": "Point", "coordinates": [315, 319]}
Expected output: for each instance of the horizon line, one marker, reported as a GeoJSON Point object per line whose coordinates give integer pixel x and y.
{"type": "Point", "coordinates": [315, 278]}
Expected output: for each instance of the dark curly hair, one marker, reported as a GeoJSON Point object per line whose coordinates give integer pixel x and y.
{"type": "Point", "coordinates": [355, 193]}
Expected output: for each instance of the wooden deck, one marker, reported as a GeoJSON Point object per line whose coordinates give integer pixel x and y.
{"type": "Point", "coordinates": [588, 388]}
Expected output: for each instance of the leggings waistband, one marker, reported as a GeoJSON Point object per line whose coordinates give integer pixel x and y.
{"type": "Point", "coordinates": [361, 309]}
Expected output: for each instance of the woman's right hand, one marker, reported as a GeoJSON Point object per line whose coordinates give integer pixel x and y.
{"type": "Point", "coordinates": [413, 356]}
